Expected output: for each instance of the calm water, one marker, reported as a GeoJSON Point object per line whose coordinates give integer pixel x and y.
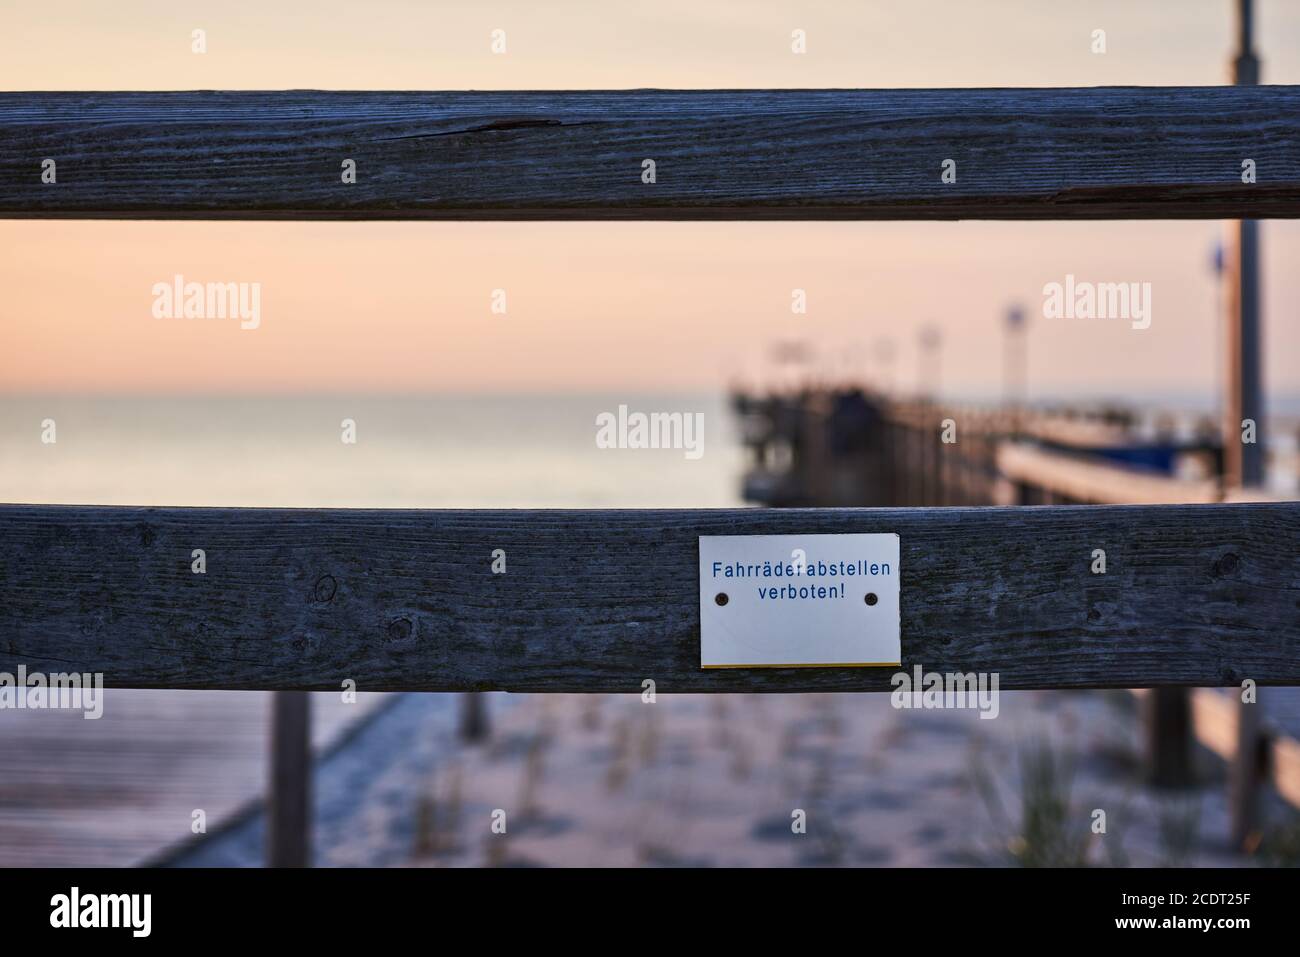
{"type": "Point", "coordinates": [427, 452]}
{"type": "Point", "coordinates": [524, 451]}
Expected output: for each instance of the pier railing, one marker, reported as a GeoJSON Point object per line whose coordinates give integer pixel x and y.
{"type": "Point", "coordinates": [305, 606]}
{"type": "Point", "coordinates": [602, 601]}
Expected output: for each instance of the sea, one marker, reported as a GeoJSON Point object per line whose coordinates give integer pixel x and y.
{"type": "Point", "coordinates": [496, 451]}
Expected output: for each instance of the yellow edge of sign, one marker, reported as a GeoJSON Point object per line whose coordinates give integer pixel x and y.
{"type": "Point", "coordinates": [829, 664]}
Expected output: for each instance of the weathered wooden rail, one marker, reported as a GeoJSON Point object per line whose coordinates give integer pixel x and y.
{"type": "Point", "coordinates": [1198, 595]}
{"type": "Point", "coordinates": [601, 600]}
{"type": "Point", "coordinates": [1124, 152]}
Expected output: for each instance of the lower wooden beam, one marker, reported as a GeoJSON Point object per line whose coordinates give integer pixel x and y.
{"type": "Point", "coordinates": [599, 601]}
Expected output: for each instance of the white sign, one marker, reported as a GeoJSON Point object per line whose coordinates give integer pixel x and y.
{"type": "Point", "coordinates": [773, 601]}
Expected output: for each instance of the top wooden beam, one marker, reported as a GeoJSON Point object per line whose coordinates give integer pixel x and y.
{"type": "Point", "coordinates": [1095, 153]}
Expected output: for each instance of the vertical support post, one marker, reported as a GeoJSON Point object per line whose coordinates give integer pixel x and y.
{"type": "Point", "coordinates": [817, 424]}
{"type": "Point", "coordinates": [909, 461]}
{"type": "Point", "coordinates": [937, 458]}
{"type": "Point", "coordinates": [473, 717]}
{"type": "Point", "coordinates": [288, 803]}
{"type": "Point", "coordinates": [925, 458]}
{"type": "Point", "coordinates": [878, 452]}
{"type": "Point", "coordinates": [1245, 777]}
{"type": "Point", "coordinates": [1015, 368]}
{"type": "Point", "coordinates": [1243, 464]}
{"type": "Point", "coordinates": [915, 461]}
{"type": "Point", "coordinates": [895, 460]}
{"type": "Point", "coordinates": [1169, 737]}
{"type": "Point", "coordinates": [944, 453]}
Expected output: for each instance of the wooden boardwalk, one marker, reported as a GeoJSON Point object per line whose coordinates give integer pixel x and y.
{"type": "Point", "coordinates": [121, 790]}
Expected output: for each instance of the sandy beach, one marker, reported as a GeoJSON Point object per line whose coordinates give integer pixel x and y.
{"type": "Point", "coordinates": [719, 780]}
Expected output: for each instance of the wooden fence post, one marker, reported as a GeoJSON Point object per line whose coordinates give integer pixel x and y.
{"type": "Point", "coordinates": [473, 716]}
{"type": "Point", "coordinates": [288, 800]}
{"type": "Point", "coordinates": [1245, 775]}
{"type": "Point", "coordinates": [1168, 724]}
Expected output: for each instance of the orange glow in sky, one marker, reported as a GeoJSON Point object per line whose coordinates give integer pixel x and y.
{"type": "Point", "coordinates": [406, 307]}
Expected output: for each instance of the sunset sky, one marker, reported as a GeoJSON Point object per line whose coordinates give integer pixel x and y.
{"type": "Point", "coordinates": [404, 307]}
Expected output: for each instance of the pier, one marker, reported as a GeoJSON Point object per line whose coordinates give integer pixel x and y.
{"type": "Point", "coordinates": [849, 447]}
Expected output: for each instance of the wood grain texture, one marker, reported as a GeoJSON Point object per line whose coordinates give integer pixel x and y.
{"type": "Point", "coordinates": [1115, 153]}
{"type": "Point", "coordinates": [601, 600]}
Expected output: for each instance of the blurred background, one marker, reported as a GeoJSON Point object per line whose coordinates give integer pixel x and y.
{"type": "Point", "coordinates": [456, 404]}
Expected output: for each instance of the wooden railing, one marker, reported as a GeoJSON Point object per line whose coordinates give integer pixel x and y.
{"type": "Point", "coordinates": [602, 600]}
{"type": "Point", "coordinates": [598, 601]}
{"type": "Point", "coordinates": [1091, 153]}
